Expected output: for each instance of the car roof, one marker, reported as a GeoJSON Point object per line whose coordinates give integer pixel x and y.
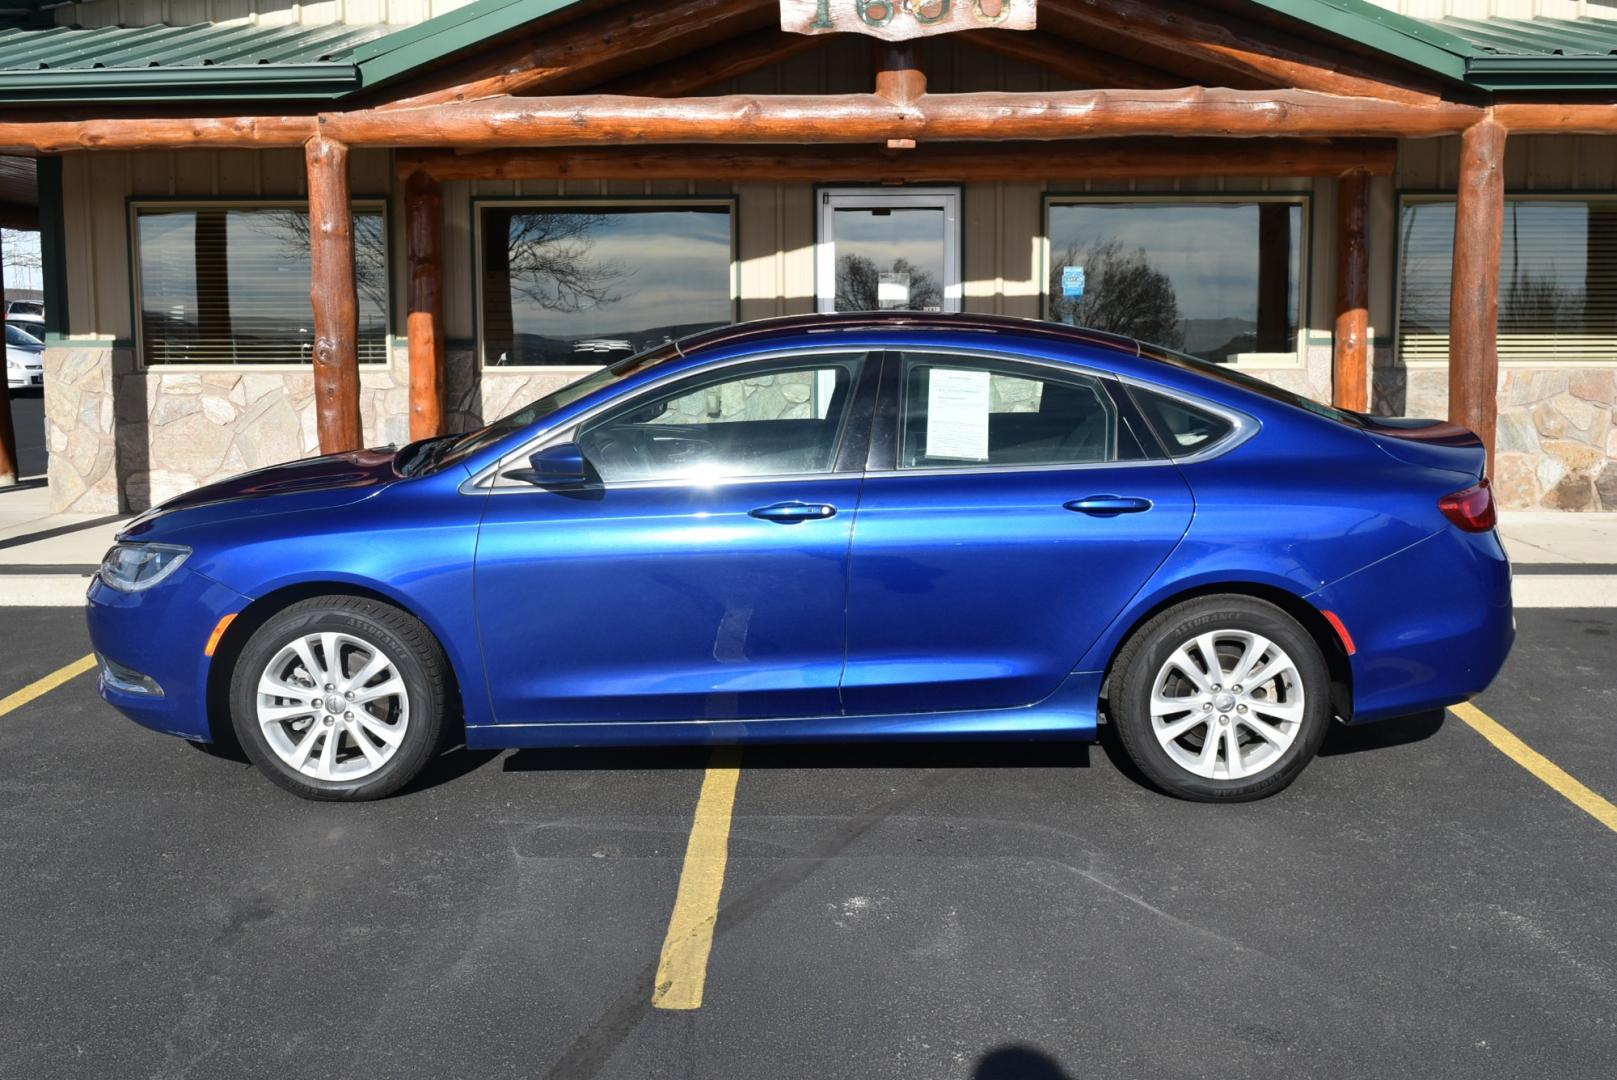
{"type": "Point", "coordinates": [857, 321]}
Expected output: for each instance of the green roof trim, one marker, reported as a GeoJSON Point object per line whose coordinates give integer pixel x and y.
{"type": "Point", "coordinates": [412, 47]}
{"type": "Point", "coordinates": [198, 62]}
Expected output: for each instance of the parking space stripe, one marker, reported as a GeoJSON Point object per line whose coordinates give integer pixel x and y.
{"type": "Point", "coordinates": [1540, 766]}
{"type": "Point", "coordinates": [46, 685]}
{"type": "Point", "coordinates": [682, 971]}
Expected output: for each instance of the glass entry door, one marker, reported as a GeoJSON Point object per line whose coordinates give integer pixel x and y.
{"type": "Point", "coordinates": [881, 249]}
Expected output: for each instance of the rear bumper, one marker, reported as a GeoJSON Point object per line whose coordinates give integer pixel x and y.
{"type": "Point", "coordinates": [159, 634]}
{"type": "Point", "coordinates": [1432, 624]}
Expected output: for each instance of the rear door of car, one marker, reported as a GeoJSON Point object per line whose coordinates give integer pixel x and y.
{"type": "Point", "coordinates": [1011, 510]}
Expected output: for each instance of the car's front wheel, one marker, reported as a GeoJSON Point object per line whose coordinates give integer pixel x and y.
{"type": "Point", "coordinates": [1221, 699]}
{"type": "Point", "coordinates": [339, 698]}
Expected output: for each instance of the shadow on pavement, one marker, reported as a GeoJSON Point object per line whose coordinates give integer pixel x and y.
{"type": "Point", "coordinates": [912, 755]}
{"type": "Point", "coordinates": [1381, 734]}
{"type": "Point", "coordinates": [1018, 1063]}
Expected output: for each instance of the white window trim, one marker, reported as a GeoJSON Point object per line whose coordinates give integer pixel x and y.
{"type": "Point", "coordinates": [1404, 199]}
{"type": "Point", "coordinates": [137, 205]}
{"type": "Point", "coordinates": [609, 202]}
{"type": "Point", "coordinates": [946, 199]}
{"type": "Point", "coordinates": [1297, 358]}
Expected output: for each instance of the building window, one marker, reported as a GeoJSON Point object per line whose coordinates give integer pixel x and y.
{"type": "Point", "coordinates": [1221, 279]}
{"type": "Point", "coordinates": [576, 283]}
{"type": "Point", "coordinates": [1557, 280]}
{"type": "Point", "coordinates": [883, 250]}
{"type": "Point", "coordinates": [229, 284]}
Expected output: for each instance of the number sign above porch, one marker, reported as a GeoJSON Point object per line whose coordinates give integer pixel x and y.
{"type": "Point", "coordinates": [900, 20]}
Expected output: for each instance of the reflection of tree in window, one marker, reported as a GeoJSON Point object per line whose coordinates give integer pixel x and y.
{"type": "Point", "coordinates": [546, 260]}
{"type": "Point", "coordinates": [1123, 294]}
{"type": "Point", "coordinates": [291, 229]}
{"type": "Point", "coordinates": [859, 280]}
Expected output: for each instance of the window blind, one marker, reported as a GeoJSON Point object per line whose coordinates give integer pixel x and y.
{"type": "Point", "coordinates": [230, 285]}
{"type": "Point", "coordinates": [1557, 281]}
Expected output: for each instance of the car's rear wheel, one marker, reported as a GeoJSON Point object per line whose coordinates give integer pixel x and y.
{"type": "Point", "coordinates": [1221, 699]}
{"type": "Point", "coordinates": [339, 698]}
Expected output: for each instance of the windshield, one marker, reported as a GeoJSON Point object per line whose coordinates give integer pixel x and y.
{"type": "Point", "coordinates": [16, 335]}
{"type": "Point", "coordinates": [26, 307]}
{"type": "Point", "coordinates": [1246, 382]}
{"type": "Point", "coordinates": [462, 446]}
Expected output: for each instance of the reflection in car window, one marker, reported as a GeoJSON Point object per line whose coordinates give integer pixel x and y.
{"type": "Point", "coordinates": [775, 419]}
{"type": "Point", "coordinates": [958, 411]}
{"type": "Point", "coordinates": [16, 335]}
{"type": "Point", "coordinates": [1182, 428]}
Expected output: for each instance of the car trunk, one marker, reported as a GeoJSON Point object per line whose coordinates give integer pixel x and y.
{"type": "Point", "coordinates": [1435, 444]}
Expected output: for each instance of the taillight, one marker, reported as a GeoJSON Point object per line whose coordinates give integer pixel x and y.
{"type": "Point", "coordinates": [1471, 509]}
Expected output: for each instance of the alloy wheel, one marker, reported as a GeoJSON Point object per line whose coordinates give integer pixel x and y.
{"type": "Point", "coordinates": [1227, 704]}
{"type": "Point", "coordinates": [332, 706]}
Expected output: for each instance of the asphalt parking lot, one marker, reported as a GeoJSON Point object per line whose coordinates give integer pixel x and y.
{"type": "Point", "coordinates": [1418, 904]}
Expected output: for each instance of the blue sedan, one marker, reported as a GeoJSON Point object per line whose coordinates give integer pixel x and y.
{"type": "Point", "coordinates": [879, 526]}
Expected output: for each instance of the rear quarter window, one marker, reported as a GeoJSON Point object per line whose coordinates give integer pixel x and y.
{"type": "Point", "coordinates": [1181, 427]}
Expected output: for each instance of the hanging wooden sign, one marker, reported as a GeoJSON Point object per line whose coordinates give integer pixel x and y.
{"type": "Point", "coordinates": [900, 20]}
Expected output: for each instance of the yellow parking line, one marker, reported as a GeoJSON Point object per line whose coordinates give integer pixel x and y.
{"type": "Point", "coordinates": [682, 972]}
{"type": "Point", "coordinates": [45, 685]}
{"type": "Point", "coordinates": [1539, 765]}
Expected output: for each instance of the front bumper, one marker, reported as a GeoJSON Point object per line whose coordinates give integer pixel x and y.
{"type": "Point", "coordinates": [159, 634]}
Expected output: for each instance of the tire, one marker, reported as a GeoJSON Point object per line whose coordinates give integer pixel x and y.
{"type": "Point", "coordinates": [356, 730]}
{"type": "Point", "coordinates": [1164, 705]}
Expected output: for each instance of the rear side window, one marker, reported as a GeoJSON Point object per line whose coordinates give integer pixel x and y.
{"type": "Point", "coordinates": [961, 411]}
{"type": "Point", "coordinates": [1181, 428]}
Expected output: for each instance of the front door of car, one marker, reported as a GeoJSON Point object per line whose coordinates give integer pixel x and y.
{"type": "Point", "coordinates": [1023, 513]}
{"type": "Point", "coordinates": [699, 571]}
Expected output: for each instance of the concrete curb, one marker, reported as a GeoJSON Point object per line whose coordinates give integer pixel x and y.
{"type": "Point", "coordinates": [43, 590]}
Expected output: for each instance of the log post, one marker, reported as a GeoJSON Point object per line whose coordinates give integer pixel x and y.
{"type": "Point", "coordinates": [335, 297]}
{"type": "Point", "coordinates": [1350, 368]}
{"type": "Point", "coordinates": [423, 224]}
{"type": "Point", "coordinates": [1479, 221]}
{"type": "Point", "coordinates": [899, 80]}
{"type": "Point", "coordinates": [8, 437]}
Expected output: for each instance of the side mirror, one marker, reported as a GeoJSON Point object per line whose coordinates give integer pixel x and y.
{"type": "Point", "coordinates": [561, 463]}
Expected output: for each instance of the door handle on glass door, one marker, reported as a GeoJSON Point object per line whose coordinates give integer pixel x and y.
{"type": "Point", "coordinates": [1108, 505]}
{"type": "Point", "coordinates": [789, 513]}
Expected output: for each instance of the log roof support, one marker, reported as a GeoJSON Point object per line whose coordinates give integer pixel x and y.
{"type": "Point", "coordinates": [1479, 225]}
{"type": "Point", "coordinates": [1350, 351]}
{"type": "Point", "coordinates": [424, 324]}
{"type": "Point", "coordinates": [335, 297]}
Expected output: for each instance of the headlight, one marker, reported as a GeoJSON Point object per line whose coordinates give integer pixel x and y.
{"type": "Point", "coordinates": [133, 567]}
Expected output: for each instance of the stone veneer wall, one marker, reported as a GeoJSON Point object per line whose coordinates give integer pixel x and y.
{"type": "Point", "coordinates": [1557, 442]}
{"type": "Point", "coordinates": [156, 434]}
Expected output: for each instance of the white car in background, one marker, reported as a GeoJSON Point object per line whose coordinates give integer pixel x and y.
{"type": "Point", "coordinates": [29, 313]}
{"type": "Point", "coordinates": [25, 358]}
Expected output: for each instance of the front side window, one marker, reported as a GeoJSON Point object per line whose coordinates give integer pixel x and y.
{"type": "Point", "coordinates": [1221, 279]}
{"type": "Point", "coordinates": [230, 284]}
{"type": "Point", "coordinates": [959, 411]}
{"type": "Point", "coordinates": [777, 419]}
{"type": "Point", "coordinates": [1557, 286]}
{"type": "Point", "coordinates": [570, 283]}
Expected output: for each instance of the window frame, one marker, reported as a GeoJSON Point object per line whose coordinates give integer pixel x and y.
{"type": "Point", "coordinates": [1406, 196]}
{"type": "Point", "coordinates": [1294, 360]}
{"type": "Point", "coordinates": [608, 202]}
{"type": "Point", "coordinates": [831, 198]}
{"type": "Point", "coordinates": [135, 205]}
{"type": "Point", "coordinates": [490, 479]}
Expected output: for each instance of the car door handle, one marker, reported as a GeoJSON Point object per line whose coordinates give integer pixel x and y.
{"type": "Point", "coordinates": [789, 513]}
{"type": "Point", "coordinates": [1108, 505]}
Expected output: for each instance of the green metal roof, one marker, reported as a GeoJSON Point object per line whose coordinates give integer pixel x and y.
{"type": "Point", "coordinates": [241, 61]}
{"type": "Point", "coordinates": [201, 61]}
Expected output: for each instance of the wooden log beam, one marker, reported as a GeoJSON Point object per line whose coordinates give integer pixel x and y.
{"type": "Point", "coordinates": [1350, 351]}
{"type": "Point", "coordinates": [1072, 61]}
{"type": "Point", "coordinates": [1479, 224]}
{"type": "Point", "coordinates": [335, 296]}
{"type": "Point", "coordinates": [718, 64]}
{"type": "Point", "coordinates": [866, 118]}
{"type": "Point", "coordinates": [1565, 118]}
{"type": "Point", "coordinates": [55, 136]}
{"type": "Point", "coordinates": [1094, 159]}
{"type": "Point", "coordinates": [423, 228]}
{"type": "Point", "coordinates": [1245, 51]}
{"type": "Point", "coordinates": [593, 50]}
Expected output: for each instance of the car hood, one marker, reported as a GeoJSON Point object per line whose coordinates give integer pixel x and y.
{"type": "Point", "coordinates": [316, 483]}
